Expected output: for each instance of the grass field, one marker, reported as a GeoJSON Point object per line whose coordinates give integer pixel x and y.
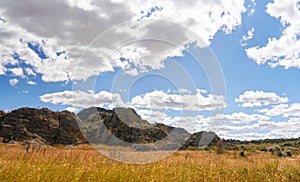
{"type": "Point", "coordinates": [62, 164]}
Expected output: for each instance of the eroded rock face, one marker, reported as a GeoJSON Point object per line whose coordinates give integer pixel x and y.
{"type": "Point", "coordinates": [43, 124]}
{"type": "Point", "coordinates": [201, 139]}
{"type": "Point", "coordinates": [120, 126]}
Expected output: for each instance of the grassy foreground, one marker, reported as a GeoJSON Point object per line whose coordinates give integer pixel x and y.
{"type": "Point", "coordinates": [88, 165]}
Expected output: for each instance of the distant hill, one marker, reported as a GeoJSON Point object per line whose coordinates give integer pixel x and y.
{"type": "Point", "coordinates": [120, 126]}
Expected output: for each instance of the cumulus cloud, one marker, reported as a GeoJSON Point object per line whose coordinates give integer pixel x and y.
{"type": "Point", "coordinates": [240, 125]}
{"type": "Point", "coordinates": [259, 98]}
{"type": "Point", "coordinates": [184, 91]}
{"type": "Point", "coordinates": [249, 36]}
{"type": "Point", "coordinates": [237, 118]}
{"type": "Point", "coordinates": [52, 42]}
{"type": "Point", "coordinates": [30, 72]}
{"type": "Point", "coordinates": [2, 69]}
{"type": "Point", "coordinates": [263, 130]}
{"type": "Point", "coordinates": [152, 116]}
{"type": "Point", "coordinates": [152, 100]}
{"type": "Point", "coordinates": [13, 81]}
{"type": "Point", "coordinates": [31, 83]}
{"type": "Point", "coordinates": [84, 99]}
{"type": "Point", "coordinates": [17, 72]}
{"type": "Point", "coordinates": [251, 7]}
{"type": "Point", "coordinates": [161, 100]}
{"type": "Point", "coordinates": [283, 51]}
{"type": "Point", "coordinates": [73, 109]}
{"type": "Point", "coordinates": [189, 123]}
{"type": "Point", "coordinates": [283, 110]}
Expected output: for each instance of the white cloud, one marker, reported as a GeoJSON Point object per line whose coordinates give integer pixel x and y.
{"type": "Point", "coordinates": [240, 125]}
{"type": "Point", "coordinates": [283, 51]}
{"type": "Point", "coordinates": [263, 130]}
{"type": "Point", "coordinates": [184, 91]}
{"type": "Point", "coordinates": [2, 69]}
{"type": "Point", "coordinates": [161, 100]}
{"type": "Point", "coordinates": [192, 123]}
{"type": "Point", "coordinates": [17, 72]}
{"type": "Point", "coordinates": [251, 7]}
{"type": "Point", "coordinates": [259, 98]}
{"type": "Point", "coordinates": [237, 118]}
{"type": "Point", "coordinates": [152, 100]}
{"type": "Point", "coordinates": [249, 36]}
{"type": "Point", "coordinates": [13, 81]}
{"type": "Point", "coordinates": [74, 24]}
{"type": "Point", "coordinates": [152, 116]}
{"type": "Point", "coordinates": [72, 109]}
{"type": "Point", "coordinates": [83, 4]}
{"type": "Point", "coordinates": [31, 83]}
{"type": "Point", "coordinates": [84, 99]}
{"type": "Point", "coordinates": [30, 72]}
{"type": "Point", "coordinates": [283, 110]}
{"type": "Point", "coordinates": [222, 124]}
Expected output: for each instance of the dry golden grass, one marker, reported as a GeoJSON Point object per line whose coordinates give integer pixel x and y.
{"type": "Point", "coordinates": [61, 164]}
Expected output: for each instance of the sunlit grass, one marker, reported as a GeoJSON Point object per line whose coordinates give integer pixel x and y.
{"type": "Point", "coordinates": [83, 164]}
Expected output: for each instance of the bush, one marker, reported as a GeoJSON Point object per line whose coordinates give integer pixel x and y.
{"type": "Point", "coordinates": [206, 148]}
{"type": "Point", "coordinates": [288, 153]}
{"type": "Point", "coordinates": [264, 149]}
{"type": "Point", "coordinates": [288, 144]}
{"type": "Point", "coordinates": [276, 150]}
{"type": "Point", "coordinates": [242, 154]}
{"type": "Point", "coordinates": [192, 148]}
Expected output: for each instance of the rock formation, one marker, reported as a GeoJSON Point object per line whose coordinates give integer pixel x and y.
{"type": "Point", "coordinates": [47, 126]}
{"type": "Point", "coordinates": [120, 126]}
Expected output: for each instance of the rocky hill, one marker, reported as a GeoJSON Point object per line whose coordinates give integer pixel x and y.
{"type": "Point", "coordinates": [43, 125]}
{"type": "Point", "coordinates": [120, 126]}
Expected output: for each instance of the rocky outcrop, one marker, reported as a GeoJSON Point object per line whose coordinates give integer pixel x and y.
{"type": "Point", "coordinates": [120, 126]}
{"type": "Point", "coordinates": [201, 139]}
{"type": "Point", "coordinates": [42, 124]}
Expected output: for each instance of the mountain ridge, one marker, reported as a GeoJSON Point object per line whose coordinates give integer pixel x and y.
{"type": "Point", "coordinates": [95, 125]}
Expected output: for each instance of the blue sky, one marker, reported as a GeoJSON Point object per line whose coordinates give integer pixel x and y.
{"type": "Point", "coordinates": [231, 67]}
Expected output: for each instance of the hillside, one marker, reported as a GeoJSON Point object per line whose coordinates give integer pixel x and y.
{"type": "Point", "coordinates": [117, 127]}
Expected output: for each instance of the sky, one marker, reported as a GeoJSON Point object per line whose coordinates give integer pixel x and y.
{"type": "Point", "coordinates": [231, 66]}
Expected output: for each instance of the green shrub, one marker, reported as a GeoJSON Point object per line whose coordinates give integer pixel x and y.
{"type": "Point", "coordinates": [206, 148]}
{"type": "Point", "coordinates": [264, 149]}
{"type": "Point", "coordinates": [242, 154]}
{"type": "Point", "coordinates": [276, 150]}
{"type": "Point", "coordinates": [192, 148]}
{"type": "Point", "coordinates": [288, 153]}
{"type": "Point", "coordinates": [288, 144]}
{"type": "Point", "coordinates": [2, 113]}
